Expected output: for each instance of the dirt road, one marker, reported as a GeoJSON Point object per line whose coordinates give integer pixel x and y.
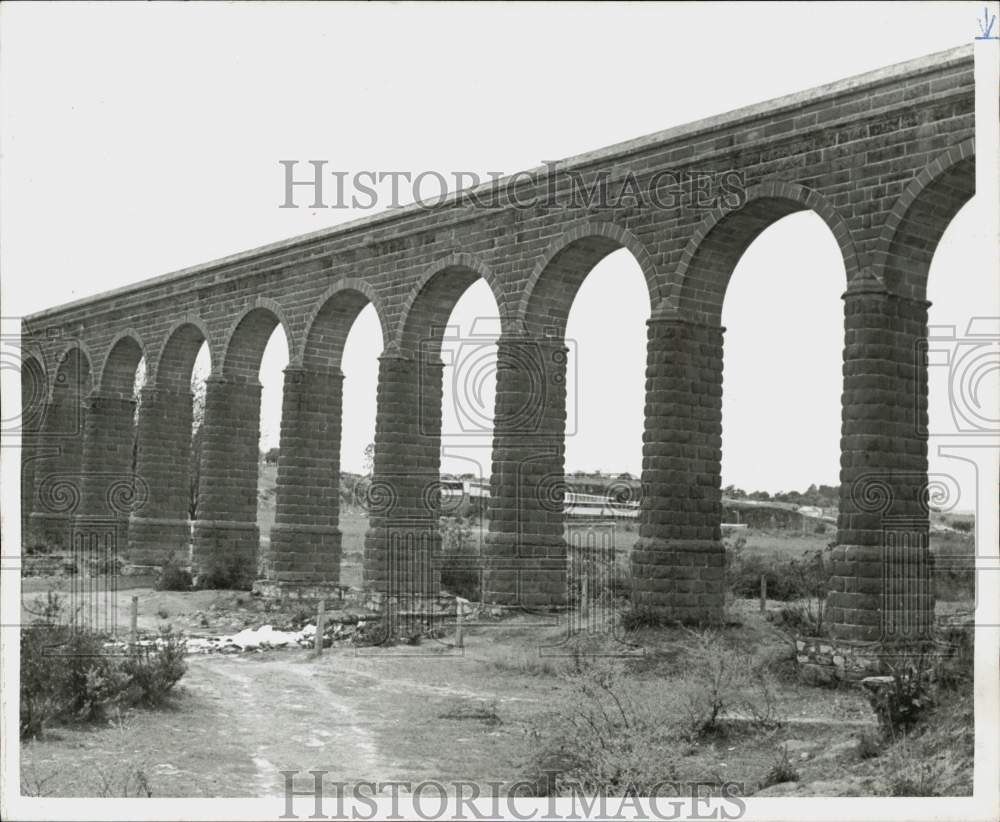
{"type": "Point", "coordinates": [240, 720]}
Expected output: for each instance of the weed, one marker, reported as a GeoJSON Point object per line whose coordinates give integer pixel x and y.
{"type": "Point", "coordinates": [636, 617]}
{"type": "Point", "coordinates": [781, 770]}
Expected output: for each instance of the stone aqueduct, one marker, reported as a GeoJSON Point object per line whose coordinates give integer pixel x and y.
{"type": "Point", "coordinates": [885, 159]}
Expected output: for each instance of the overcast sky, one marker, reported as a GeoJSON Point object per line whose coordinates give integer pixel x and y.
{"type": "Point", "coordinates": [139, 139]}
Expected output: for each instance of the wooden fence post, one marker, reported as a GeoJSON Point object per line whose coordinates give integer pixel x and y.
{"type": "Point", "coordinates": [134, 620]}
{"type": "Point", "coordinates": [318, 641]}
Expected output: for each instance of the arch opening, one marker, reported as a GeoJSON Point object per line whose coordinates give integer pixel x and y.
{"type": "Point", "coordinates": [781, 386]}
{"type": "Point", "coordinates": [272, 363]}
{"type": "Point", "coordinates": [605, 405]}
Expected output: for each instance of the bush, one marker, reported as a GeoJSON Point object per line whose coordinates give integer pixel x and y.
{"type": "Point", "coordinates": [720, 679]}
{"type": "Point", "coordinates": [954, 567]}
{"type": "Point", "coordinates": [71, 675]}
{"type": "Point", "coordinates": [173, 577]}
{"type": "Point", "coordinates": [902, 698]}
{"type": "Point", "coordinates": [610, 733]}
{"type": "Point", "coordinates": [460, 563]}
{"type": "Point", "coordinates": [869, 746]}
{"type": "Point", "coordinates": [230, 573]}
{"type": "Point", "coordinates": [155, 669]}
{"type": "Point", "coordinates": [804, 618]}
{"type": "Point", "coordinates": [605, 738]}
{"type": "Point", "coordinates": [806, 578]}
{"type": "Point", "coordinates": [956, 670]}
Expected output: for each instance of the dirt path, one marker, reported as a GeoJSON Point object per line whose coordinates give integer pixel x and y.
{"type": "Point", "coordinates": [238, 721]}
{"type": "Point", "coordinates": [361, 719]}
{"type": "Point", "coordinates": [291, 717]}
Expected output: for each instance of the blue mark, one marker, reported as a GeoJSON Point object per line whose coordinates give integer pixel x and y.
{"type": "Point", "coordinates": [986, 26]}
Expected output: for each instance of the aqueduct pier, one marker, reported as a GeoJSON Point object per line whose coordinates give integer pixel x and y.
{"type": "Point", "coordinates": [886, 159]}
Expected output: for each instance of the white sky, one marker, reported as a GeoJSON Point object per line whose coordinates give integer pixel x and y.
{"type": "Point", "coordinates": [139, 139]}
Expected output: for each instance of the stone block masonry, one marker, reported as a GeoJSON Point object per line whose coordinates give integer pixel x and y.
{"type": "Point", "coordinates": [885, 160]}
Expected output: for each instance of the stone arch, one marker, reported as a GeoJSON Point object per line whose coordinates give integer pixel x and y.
{"type": "Point", "coordinates": [562, 268]}
{"type": "Point", "coordinates": [913, 229]}
{"type": "Point", "coordinates": [178, 354]}
{"type": "Point", "coordinates": [432, 299]}
{"type": "Point", "coordinates": [118, 372]}
{"type": "Point", "coordinates": [697, 286]}
{"type": "Point", "coordinates": [248, 337]}
{"type": "Point", "coordinates": [332, 319]}
{"type": "Point", "coordinates": [72, 370]}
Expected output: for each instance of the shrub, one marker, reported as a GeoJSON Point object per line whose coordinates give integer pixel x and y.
{"type": "Point", "coordinates": [901, 698]}
{"type": "Point", "coordinates": [805, 618]}
{"type": "Point", "coordinates": [720, 679]}
{"type": "Point", "coordinates": [460, 563]}
{"type": "Point", "coordinates": [954, 567]}
{"type": "Point", "coordinates": [743, 577]}
{"type": "Point", "coordinates": [226, 573]}
{"type": "Point", "coordinates": [173, 577]}
{"type": "Point", "coordinates": [155, 669]}
{"type": "Point", "coordinates": [613, 733]}
{"type": "Point", "coordinates": [64, 675]}
{"type": "Point", "coordinates": [806, 578]}
{"type": "Point", "coordinates": [70, 675]}
{"type": "Point", "coordinates": [605, 738]}
{"type": "Point", "coordinates": [869, 746]}
{"type": "Point", "coordinates": [956, 670]}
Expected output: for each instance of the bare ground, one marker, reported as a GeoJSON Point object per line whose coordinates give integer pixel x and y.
{"type": "Point", "coordinates": [238, 721]}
